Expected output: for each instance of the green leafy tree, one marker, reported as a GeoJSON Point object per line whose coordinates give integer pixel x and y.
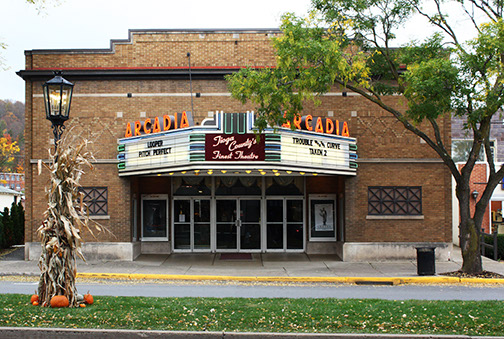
{"type": "Point", "coordinates": [349, 43]}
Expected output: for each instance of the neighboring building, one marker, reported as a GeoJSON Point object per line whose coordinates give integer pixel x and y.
{"type": "Point", "coordinates": [7, 197]}
{"type": "Point", "coordinates": [461, 145]}
{"type": "Point", "coordinates": [171, 180]}
{"type": "Point", "coordinates": [14, 181]}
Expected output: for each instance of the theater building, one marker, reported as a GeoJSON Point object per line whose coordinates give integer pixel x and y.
{"type": "Point", "coordinates": [180, 169]}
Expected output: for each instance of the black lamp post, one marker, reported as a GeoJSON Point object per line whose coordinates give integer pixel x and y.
{"type": "Point", "coordinates": [57, 97]}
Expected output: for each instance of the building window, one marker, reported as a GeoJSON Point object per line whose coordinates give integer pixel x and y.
{"type": "Point", "coordinates": [461, 149]}
{"type": "Point", "coordinates": [96, 199]}
{"type": "Point", "coordinates": [395, 200]}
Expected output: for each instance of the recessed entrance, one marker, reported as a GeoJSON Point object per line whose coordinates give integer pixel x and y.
{"type": "Point", "coordinates": [238, 214]}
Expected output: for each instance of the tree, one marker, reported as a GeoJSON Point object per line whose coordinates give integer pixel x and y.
{"type": "Point", "coordinates": [8, 228]}
{"type": "Point", "coordinates": [18, 222]}
{"type": "Point", "coordinates": [8, 151]}
{"type": "Point", "coordinates": [348, 43]}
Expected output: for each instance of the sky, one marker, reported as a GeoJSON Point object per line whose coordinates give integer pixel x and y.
{"type": "Point", "coordinates": [93, 23]}
{"type": "Point", "coordinates": [67, 24]}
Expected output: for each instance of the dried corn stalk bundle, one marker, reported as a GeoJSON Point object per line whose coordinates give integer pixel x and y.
{"type": "Point", "coordinates": [64, 219]}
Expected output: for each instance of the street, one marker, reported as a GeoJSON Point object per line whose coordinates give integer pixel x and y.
{"type": "Point", "coordinates": [272, 290]}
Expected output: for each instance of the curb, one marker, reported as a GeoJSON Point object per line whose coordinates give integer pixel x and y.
{"type": "Point", "coordinates": [77, 333]}
{"type": "Point", "coordinates": [342, 280]}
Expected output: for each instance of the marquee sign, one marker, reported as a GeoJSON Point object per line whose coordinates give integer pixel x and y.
{"type": "Point", "coordinates": [317, 151]}
{"type": "Point", "coordinates": [236, 147]}
{"type": "Point", "coordinates": [156, 152]}
{"type": "Point", "coordinates": [227, 141]}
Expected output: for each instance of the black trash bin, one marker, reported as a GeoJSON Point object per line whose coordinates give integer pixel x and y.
{"type": "Point", "coordinates": [426, 264]}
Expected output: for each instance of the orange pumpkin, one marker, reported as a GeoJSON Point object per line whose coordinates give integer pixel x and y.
{"type": "Point", "coordinates": [88, 298]}
{"type": "Point", "coordinates": [82, 305]}
{"type": "Point", "coordinates": [59, 301]}
{"type": "Point", "coordinates": [34, 298]}
{"type": "Point", "coordinates": [35, 303]}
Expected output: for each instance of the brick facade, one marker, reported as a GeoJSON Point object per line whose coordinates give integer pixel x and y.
{"type": "Point", "coordinates": [152, 67]}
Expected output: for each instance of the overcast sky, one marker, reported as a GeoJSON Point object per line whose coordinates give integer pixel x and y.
{"type": "Point", "coordinates": [93, 23]}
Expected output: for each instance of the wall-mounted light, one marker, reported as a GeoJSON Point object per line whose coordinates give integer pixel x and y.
{"type": "Point", "coordinates": [475, 194]}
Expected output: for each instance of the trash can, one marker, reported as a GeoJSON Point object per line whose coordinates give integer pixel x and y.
{"type": "Point", "coordinates": [426, 264]}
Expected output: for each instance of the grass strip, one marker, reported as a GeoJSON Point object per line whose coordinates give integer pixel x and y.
{"type": "Point", "coordinates": [264, 315]}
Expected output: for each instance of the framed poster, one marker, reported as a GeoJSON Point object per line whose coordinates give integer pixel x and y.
{"type": "Point", "coordinates": [322, 218]}
{"type": "Point", "coordinates": [154, 217]}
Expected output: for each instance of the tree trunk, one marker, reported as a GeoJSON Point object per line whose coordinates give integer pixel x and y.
{"type": "Point", "coordinates": [470, 246]}
{"type": "Point", "coordinates": [468, 232]}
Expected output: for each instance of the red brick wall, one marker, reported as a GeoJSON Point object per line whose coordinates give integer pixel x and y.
{"type": "Point", "coordinates": [478, 183]}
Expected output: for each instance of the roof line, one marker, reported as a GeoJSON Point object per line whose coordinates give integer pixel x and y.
{"type": "Point", "coordinates": [131, 32]}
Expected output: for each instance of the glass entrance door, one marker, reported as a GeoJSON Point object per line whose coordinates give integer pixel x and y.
{"type": "Point", "coordinates": [238, 224]}
{"type": "Point", "coordinates": [226, 225]}
{"type": "Point", "coordinates": [284, 224]}
{"type": "Point", "coordinates": [191, 224]}
{"type": "Point", "coordinates": [250, 224]}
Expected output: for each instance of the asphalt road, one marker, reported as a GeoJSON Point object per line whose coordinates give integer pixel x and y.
{"type": "Point", "coordinates": [275, 290]}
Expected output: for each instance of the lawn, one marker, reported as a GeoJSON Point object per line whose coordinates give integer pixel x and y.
{"type": "Point", "coordinates": [264, 315]}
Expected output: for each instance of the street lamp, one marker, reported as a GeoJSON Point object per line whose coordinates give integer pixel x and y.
{"type": "Point", "coordinates": [57, 99]}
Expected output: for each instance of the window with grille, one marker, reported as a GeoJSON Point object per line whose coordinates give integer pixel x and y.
{"type": "Point", "coordinates": [96, 199]}
{"type": "Point", "coordinates": [394, 200]}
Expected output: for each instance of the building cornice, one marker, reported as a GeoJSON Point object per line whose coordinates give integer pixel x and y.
{"type": "Point", "coordinates": [137, 73]}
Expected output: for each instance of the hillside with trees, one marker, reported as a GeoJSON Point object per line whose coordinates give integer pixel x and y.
{"type": "Point", "coordinates": [12, 133]}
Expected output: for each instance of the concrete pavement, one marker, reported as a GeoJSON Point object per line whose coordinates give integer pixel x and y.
{"type": "Point", "coordinates": [261, 267]}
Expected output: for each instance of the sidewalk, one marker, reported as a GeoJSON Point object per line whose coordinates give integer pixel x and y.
{"type": "Point", "coordinates": [269, 266]}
